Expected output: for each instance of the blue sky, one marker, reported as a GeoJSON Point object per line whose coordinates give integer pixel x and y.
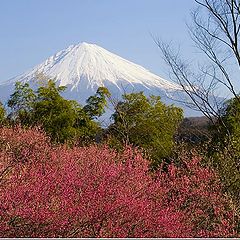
{"type": "Point", "coordinates": [32, 30]}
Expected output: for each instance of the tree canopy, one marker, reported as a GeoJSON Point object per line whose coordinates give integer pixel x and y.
{"type": "Point", "coordinates": [62, 119]}
{"type": "Point", "coordinates": [147, 123]}
{"type": "Point", "coordinates": [2, 113]}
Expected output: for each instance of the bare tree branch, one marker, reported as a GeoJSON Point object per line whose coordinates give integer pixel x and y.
{"type": "Point", "coordinates": [215, 31]}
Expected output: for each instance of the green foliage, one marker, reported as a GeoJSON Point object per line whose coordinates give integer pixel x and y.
{"type": "Point", "coordinates": [21, 102]}
{"type": "Point", "coordinates": [2, 114]}
{"type": "Point", "coordinates": [231, 118]}
{"type": "Point", "coordinates": [56, 114]}
{"type": "Point", "coordinates": [64, 120]}
{"type": "Point", "coordinates": [96, 104]}
{"type": "Point", "coordinates": [225, 148]}
{"type": "Point", "coordinates": [147, 123]}
{"type": "Point", "coordinates": [87, 128]}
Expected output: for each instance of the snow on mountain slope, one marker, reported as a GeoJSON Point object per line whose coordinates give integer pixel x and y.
{"type": "Point", "coordinates": [96, 65]}
{"type": "Point", "coordinates": [82, 68]}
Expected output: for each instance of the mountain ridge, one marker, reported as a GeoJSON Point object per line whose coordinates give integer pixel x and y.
{"type": "Point", "coordinates": [84, 67]}
{"type": "Point", "coordinates": [96, 65]}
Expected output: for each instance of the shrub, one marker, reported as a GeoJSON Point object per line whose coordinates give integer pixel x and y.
{"type": "Point", "coordinates": [57, 191]}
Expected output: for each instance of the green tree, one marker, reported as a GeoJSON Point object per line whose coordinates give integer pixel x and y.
{"type": "Point", "coordinates": [64, 120]}
{"type": "Point", "coordinates": [227, 127]}
{"type": "Point", "coordinates": [21, 103]}
{"type": "Point", "coordinates": [2, 114]}
{"type": "Point", "coordinates": [87, 128]}
{"type": "Point", "coordinates": [94, 108]}
{"type": "Point", "coordinates": [56, 114]}
{"type": "Point", "coordinates": [96, 104]}
{"type": "Point", "coordinates": [225, 147]}
{"type": "Point", "coordinates": [147, 123]}
{"type": "Point", "coordinates": [231, 118]}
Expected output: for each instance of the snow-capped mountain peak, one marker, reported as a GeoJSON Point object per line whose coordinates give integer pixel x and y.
{"type": "Point", "coordinates": [95, 66]}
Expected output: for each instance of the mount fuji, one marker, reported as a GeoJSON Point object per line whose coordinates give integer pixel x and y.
{"type": "Point", "coordinates": [84, 67]}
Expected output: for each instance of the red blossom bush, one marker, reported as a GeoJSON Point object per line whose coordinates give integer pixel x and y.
{"type": "Point", "coordinates": [56, 191]}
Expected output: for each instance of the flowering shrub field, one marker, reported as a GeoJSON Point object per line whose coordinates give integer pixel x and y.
{"type": "Point", "coordinates": [56, 191]}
